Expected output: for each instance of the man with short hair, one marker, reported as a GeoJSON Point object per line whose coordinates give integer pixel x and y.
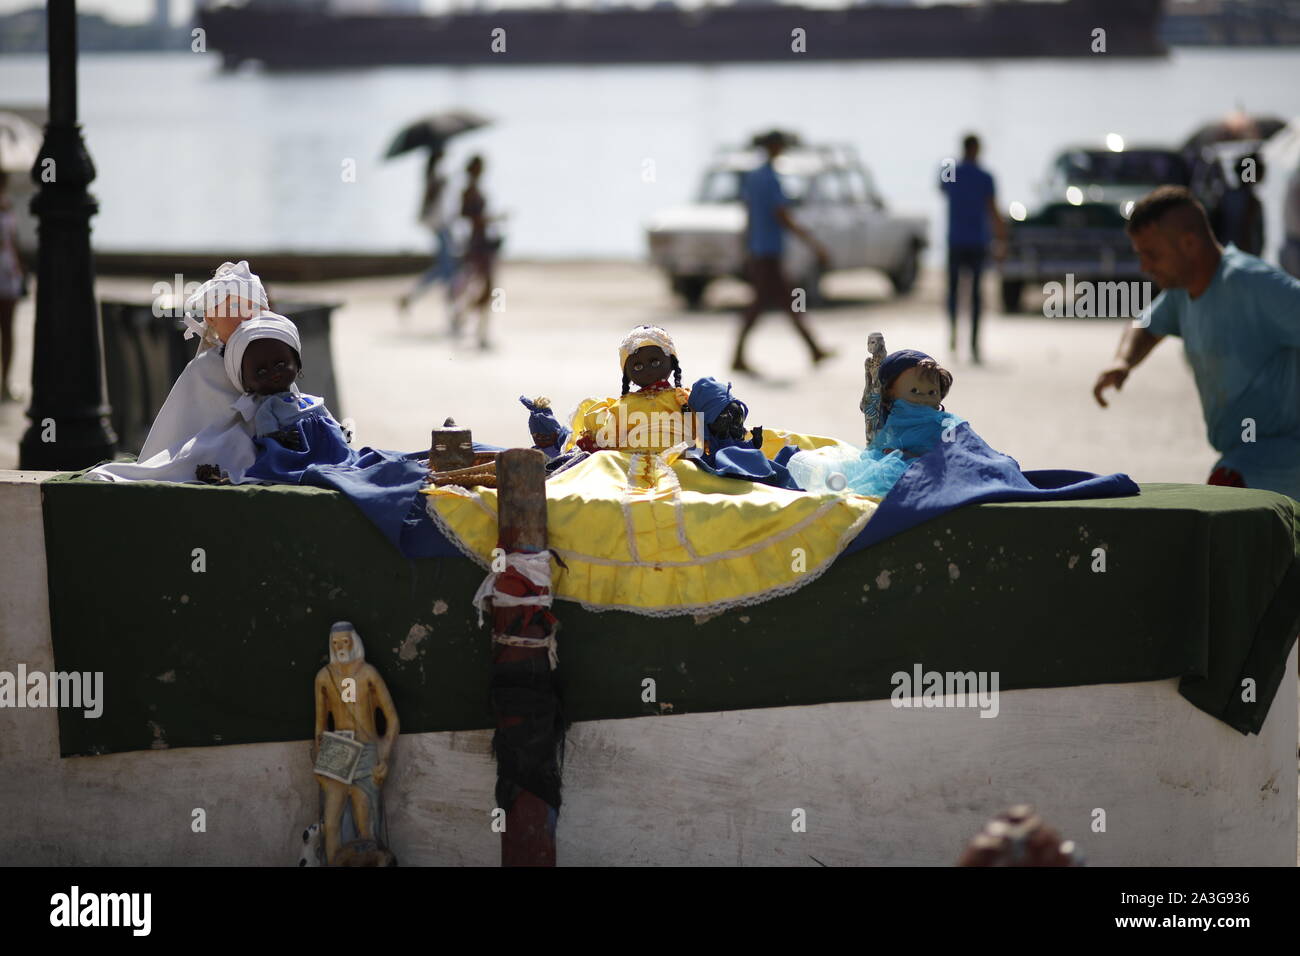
{"type": "Point", "coordinates": [1239, 319]}
{"type": "Point", "coordinates": [972, 220]}
{"type": "Point", "coordinates": [768, 221]}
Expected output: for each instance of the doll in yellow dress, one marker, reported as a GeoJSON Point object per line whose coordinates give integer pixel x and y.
{"type": "Point", "coordinates": [651, 419]}
{"type": "Point", "coordinates": [642, 528]}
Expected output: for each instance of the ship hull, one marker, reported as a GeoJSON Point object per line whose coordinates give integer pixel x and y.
{"type": "Point", "coordinates": [296, 40]}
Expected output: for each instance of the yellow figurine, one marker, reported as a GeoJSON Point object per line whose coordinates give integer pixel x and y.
{"type": "Point", "coordinates": [351, 761]}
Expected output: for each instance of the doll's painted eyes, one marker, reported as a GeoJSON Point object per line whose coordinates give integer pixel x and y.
{"type": "Point", "coordinates": [261, 372]}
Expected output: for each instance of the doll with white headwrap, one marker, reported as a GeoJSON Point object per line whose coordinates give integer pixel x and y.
{"type": "Point", "coordinates": [648, 419]}
{"type": "Point", "coordinates": [293, 431]}
{"type": "Point", "coordinates": [198, 423]}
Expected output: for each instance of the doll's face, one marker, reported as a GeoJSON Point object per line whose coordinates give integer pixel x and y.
{"type": "Point", "coordinates": [647, 365]}
{"type": "Point", "coordinates": [917, 387]}
{"type": "Point", "coordinates": [269, 366]}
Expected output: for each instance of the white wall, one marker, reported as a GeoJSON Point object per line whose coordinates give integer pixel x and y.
{"type": "Point", "coordinates": [879, 785]}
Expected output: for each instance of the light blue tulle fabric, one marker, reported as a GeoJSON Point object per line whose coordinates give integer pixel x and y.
{"type": "Point", "coordinates": [910, 430]}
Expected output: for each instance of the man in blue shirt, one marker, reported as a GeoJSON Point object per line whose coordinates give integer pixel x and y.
{"type": "Point", "coordinates": [972, 216]}
{"type": "Point", "coordinates": [768, 221]}
{"type": "Point", "coordinates": [1239, 319]}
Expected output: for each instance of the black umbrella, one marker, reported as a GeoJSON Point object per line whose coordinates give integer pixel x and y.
{"type": "Point", "coordinates": [433, 131]}
{"type": "Point", "coordinates": [1235, 126]}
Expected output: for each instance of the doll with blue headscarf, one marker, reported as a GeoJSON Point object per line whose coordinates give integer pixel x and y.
{"type": "Point", "coordinates": [729, 448]}
{"type": "Point", "coordinates": [548, 434]}
{"type": "Point", "coordinates": [912, 421]}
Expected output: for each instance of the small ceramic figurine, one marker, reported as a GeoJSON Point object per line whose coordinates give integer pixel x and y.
{"type": "Point", "coordinates": [451, 447]}
{"type": "Point", "coordinates": [870, 404]}
{"type": "Point", "coordinates": [351, 760]}
{"type": "Point", "coordinates": [1019, 837]}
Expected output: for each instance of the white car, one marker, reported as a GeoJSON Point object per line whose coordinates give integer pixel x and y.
{"type": "Point", "coordinates": [832, 196]}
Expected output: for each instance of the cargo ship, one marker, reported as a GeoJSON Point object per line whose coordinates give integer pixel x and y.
{"type": "Point", "coordinates": [344, 34]}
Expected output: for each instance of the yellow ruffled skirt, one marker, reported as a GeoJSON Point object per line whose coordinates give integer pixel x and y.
{"type": "Point", "coordinates": [657, 535]}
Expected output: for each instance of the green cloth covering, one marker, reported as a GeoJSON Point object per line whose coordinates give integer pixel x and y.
{"type": "Point", "coordinates": [1200, 583]}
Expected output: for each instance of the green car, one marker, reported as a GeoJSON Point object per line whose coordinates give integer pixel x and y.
{"type": "Point", "coordinates": [1078, 228]}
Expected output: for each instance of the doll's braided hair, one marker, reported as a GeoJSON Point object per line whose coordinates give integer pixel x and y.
{"type": "Point", "coordinates": [677, 376]}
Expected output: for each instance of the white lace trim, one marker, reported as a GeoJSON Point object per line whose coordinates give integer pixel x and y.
{"type": "Point", "coordinates": [674, 610]}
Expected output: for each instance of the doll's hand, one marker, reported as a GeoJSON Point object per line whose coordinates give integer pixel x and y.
{"type": "Point", "coordinates": [380, 773]}
{"type": "Point", "coordinates": [211, 475]}
{"type": "Point", "coordinates": [289, 438]}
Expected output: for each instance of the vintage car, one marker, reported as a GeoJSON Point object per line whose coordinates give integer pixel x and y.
{"type": "Point", "coordinates": [1078, 227]}
{"type": "Point", "coordinates": [833, 196]}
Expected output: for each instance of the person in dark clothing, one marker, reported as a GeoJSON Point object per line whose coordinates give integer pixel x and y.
{"type": "Point", "coordinates": [972, 220]}
{"type": "Point", "coordinates": [475, 281]}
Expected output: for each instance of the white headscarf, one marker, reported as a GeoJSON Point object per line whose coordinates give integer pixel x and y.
{"type": "Point", "coordinates": [230, 279]}
{"type": "Point", "coordinates": [642, 336]}
{"type": "Point", "coordinates": [358, 652]}
{"type": "Point", "coordinates": [268, 325]}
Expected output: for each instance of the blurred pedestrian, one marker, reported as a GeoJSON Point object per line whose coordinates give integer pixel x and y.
{"type": "Point", "coordinates": [1290, 257]}
{"type": "Point", "coordinates": [1239, 319]}
{"type": "Point", "coordinates": [433, 215]}
{"type": "Point", "coordinates": [769, 220]}
{"type": "Point", "coordinates": [474, 280]}
{"type": "Point", "coordinates": [1239, 217]}
{"type": "Point", "coordinates": [972, 221]}
{"type": "Point", "coordinates": [13, 284]}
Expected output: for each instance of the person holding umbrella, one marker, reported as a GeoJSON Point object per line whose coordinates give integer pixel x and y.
{"type": "Point", "coordinates": [432, 133]}
{"type": "Point", "coordinates": [433, 216]}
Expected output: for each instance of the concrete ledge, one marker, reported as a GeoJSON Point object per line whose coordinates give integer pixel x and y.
{"type": "Point", "coordinates": [879, 785]}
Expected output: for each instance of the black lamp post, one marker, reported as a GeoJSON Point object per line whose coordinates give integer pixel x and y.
{"type": "Point", "coordinates": [69, 412]}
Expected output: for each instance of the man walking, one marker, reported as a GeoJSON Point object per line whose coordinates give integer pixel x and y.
{"type": "Point", "coordinates": [1239, 319]}
{"type": "Point", "coordinates": [769, 220]}
{"type": "Point", "coordinates": [972, 218]}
